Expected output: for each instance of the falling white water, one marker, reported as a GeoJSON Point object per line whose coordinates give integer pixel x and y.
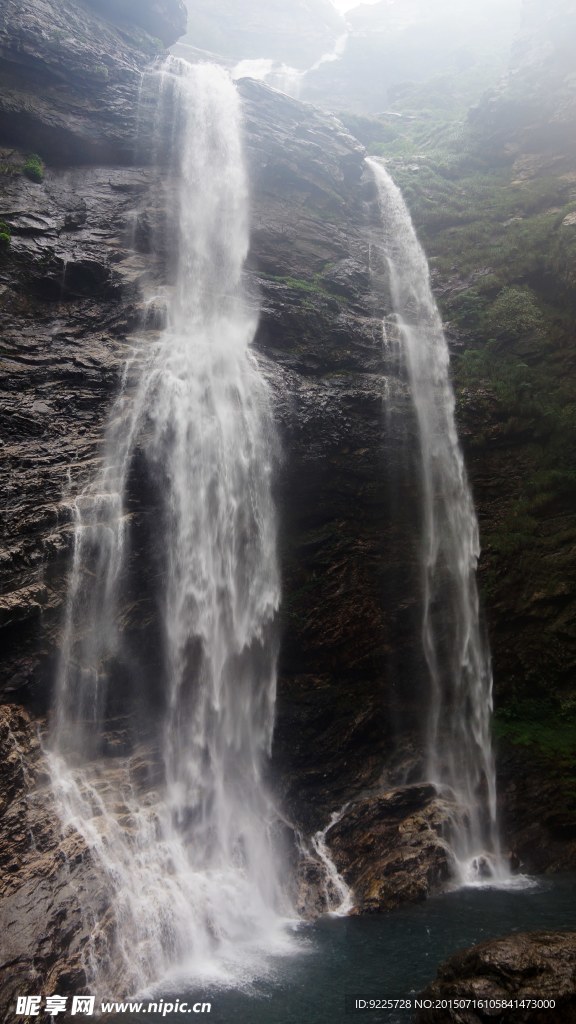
{"type": "Point", "coordinates": [189, 865]}
{"type": "Point", "coordinates": [335, 54]}
{"type": "Point", "coordinates": [459, 749]}
{"type": "Point", "coordinates": [338, 895]}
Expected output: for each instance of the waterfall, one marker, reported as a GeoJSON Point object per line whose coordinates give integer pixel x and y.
{"type": "Point", "coordinates": [459, 759]}
{"type": "Point", "coordinates": [339, 897]}
{"type": "Point", "coordinates": [336, 53]}
{"type": "Point", "coordinates": [183, 836]}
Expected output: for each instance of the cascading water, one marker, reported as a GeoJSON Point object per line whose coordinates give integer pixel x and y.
{"type": "Point", "coordinates": [338, 895]}
{"type": "Point", "coordinates": [459, 749]}
{"type": "Point", "coordinates": [189, 863]}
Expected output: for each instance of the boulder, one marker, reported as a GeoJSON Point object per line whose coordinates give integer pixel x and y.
{"type": "Point", "coordinates": [536, 966]}
{"type": "Point", "coordinates": [390, 848]}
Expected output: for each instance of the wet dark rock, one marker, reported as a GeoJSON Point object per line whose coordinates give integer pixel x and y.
{"type": "Point", "coordinates": [43, 876]}
{"type": "Point", "coordinates": [391, 848]}
{"type": "Point", "coordinates": [72, 286]}
{"type": "Point", "coordinates": [532, 966]}
{"type": "Point", "coordinates": [164, 19]}
{"type": "Point", "coordinates": [320, 332]}
{"type": "Point", "coordinates": [70, 81]}
{"type": "Point", "coordinates": [69, 303]}
{"type": "Point", "coordinates": [546, 842]}
{"type": "Point", "coordinates": [84, 243]}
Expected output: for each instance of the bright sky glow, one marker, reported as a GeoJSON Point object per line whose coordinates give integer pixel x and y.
{"type": "Point", "coordinates": [347, 5]}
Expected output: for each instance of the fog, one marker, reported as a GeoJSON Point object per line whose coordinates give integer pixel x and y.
{"type": "Point", "coordinates": [355, 67]}
{"type": "Point", "coordinates": [473, 6]}
{"type": "Point", "coordinates": [347, 5]}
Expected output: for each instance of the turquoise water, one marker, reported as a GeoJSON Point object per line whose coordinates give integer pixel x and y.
{"type": "Point", "coordinates": [393, 955]}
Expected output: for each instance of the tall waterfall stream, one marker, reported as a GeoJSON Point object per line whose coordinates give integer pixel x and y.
{"type": "Point", "coordinates": [190, 862]}
{"type": "Point", "coordinates": [459, 757]}
{"type": "Point", "coordinates": [190, 866]}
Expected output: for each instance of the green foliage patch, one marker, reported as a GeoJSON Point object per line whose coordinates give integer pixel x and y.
{"type": "Point", "coordinates": [309, 286]}
{"type": "Point", "coordinates": [34, 168]}
{"type": "Point", "coordinates": [548, 726]}
{"type": "Point", "coordinates": [5, 236]}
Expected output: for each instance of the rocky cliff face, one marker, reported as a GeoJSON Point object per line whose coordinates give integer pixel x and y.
{"type": "Point", "coordinates": [517, 418]}
{"type": "Point", "coordinates": [78, 251]}
{"type": "Point", "coordinates": [71, 276]}
{"type": "Point", "coordinates": [533, 111]}
{"type": "Point", "coordinates": [70, 78]}
{"type": "Point", "coordinates": [162, 19]}
{"type": "Point", "coordinates": [494, 206]}
{"type": "Point", "coordinates": [70, 292]}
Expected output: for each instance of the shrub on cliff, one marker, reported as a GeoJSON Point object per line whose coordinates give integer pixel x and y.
{"type": "Point", "coordinates": [515, 314]}
{"type": "Point", "coordinates": [33, 168]}
{"type": "Point", "coordinates": [5, 236]}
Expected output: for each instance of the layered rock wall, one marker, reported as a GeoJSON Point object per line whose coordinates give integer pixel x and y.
{"type": "Point", "coordinates": [73, 281]}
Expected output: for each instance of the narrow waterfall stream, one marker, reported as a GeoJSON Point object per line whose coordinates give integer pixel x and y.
{"type": "Point", "coordinates": [190, 864]}
{"type": "Point", "coordinates": [459, 756]}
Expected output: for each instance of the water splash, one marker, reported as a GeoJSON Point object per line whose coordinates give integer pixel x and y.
{"type": "Point", "coordinates": [183, 837]}
{"type": "Point", "coordinates": [339, 897]}
{"type": "Point", "coordinates": [458, 743]}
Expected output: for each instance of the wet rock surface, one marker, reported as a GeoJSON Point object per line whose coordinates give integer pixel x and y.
{"type": "Point", "coordinates": [43, 878]}
{"type": "Point", "coordinates": [70, 298]}
{"type": "Point", "coordinates": [531, 966]}
{"type": "Point", "coordinates": [390, 848]}
{"type": "Point", "coordinates": [83, 245]}
{"type": "Point", "coordinates": [345, 418]}
{"type": "Point", "coordinates": [163, 19]}
{"type": "Point", "coordinates": [72, 285]}
{"type": "Point", "coordinates": [70, 81]}
{"type": "Point", "coordinates": [544, 842]}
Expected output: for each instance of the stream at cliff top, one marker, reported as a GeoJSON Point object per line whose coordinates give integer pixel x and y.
{"type": "Point", "coordinates": [394, 955]}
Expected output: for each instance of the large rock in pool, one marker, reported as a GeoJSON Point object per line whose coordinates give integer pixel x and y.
{"type": "Point", "coordinates": [536, 967]}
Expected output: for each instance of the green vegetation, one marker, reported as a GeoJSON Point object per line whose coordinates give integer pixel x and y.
{"type": "Point", "coordinates": [501, 242]}
{"type": "Point", "coordinates": [548, 726]}
{"type": "Point", "coordinates": [429, 117]}
{"type": "Point", "coordinates": [546, 729]}
{"type": "Point", "coordinates": [33, 168]}
{"type": "Point", "coordinates": [499, 228]}
{"type": "Point", "coordinates": [310, 286]}
{"type": "Point", "coordinates": [300, 284]}
{"type": "Point", "coordinates": [478, 218]}
{"type": "Point", "coordinates": [509, 258]}
{"type": "Point", "coordinates": [5, 236]}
